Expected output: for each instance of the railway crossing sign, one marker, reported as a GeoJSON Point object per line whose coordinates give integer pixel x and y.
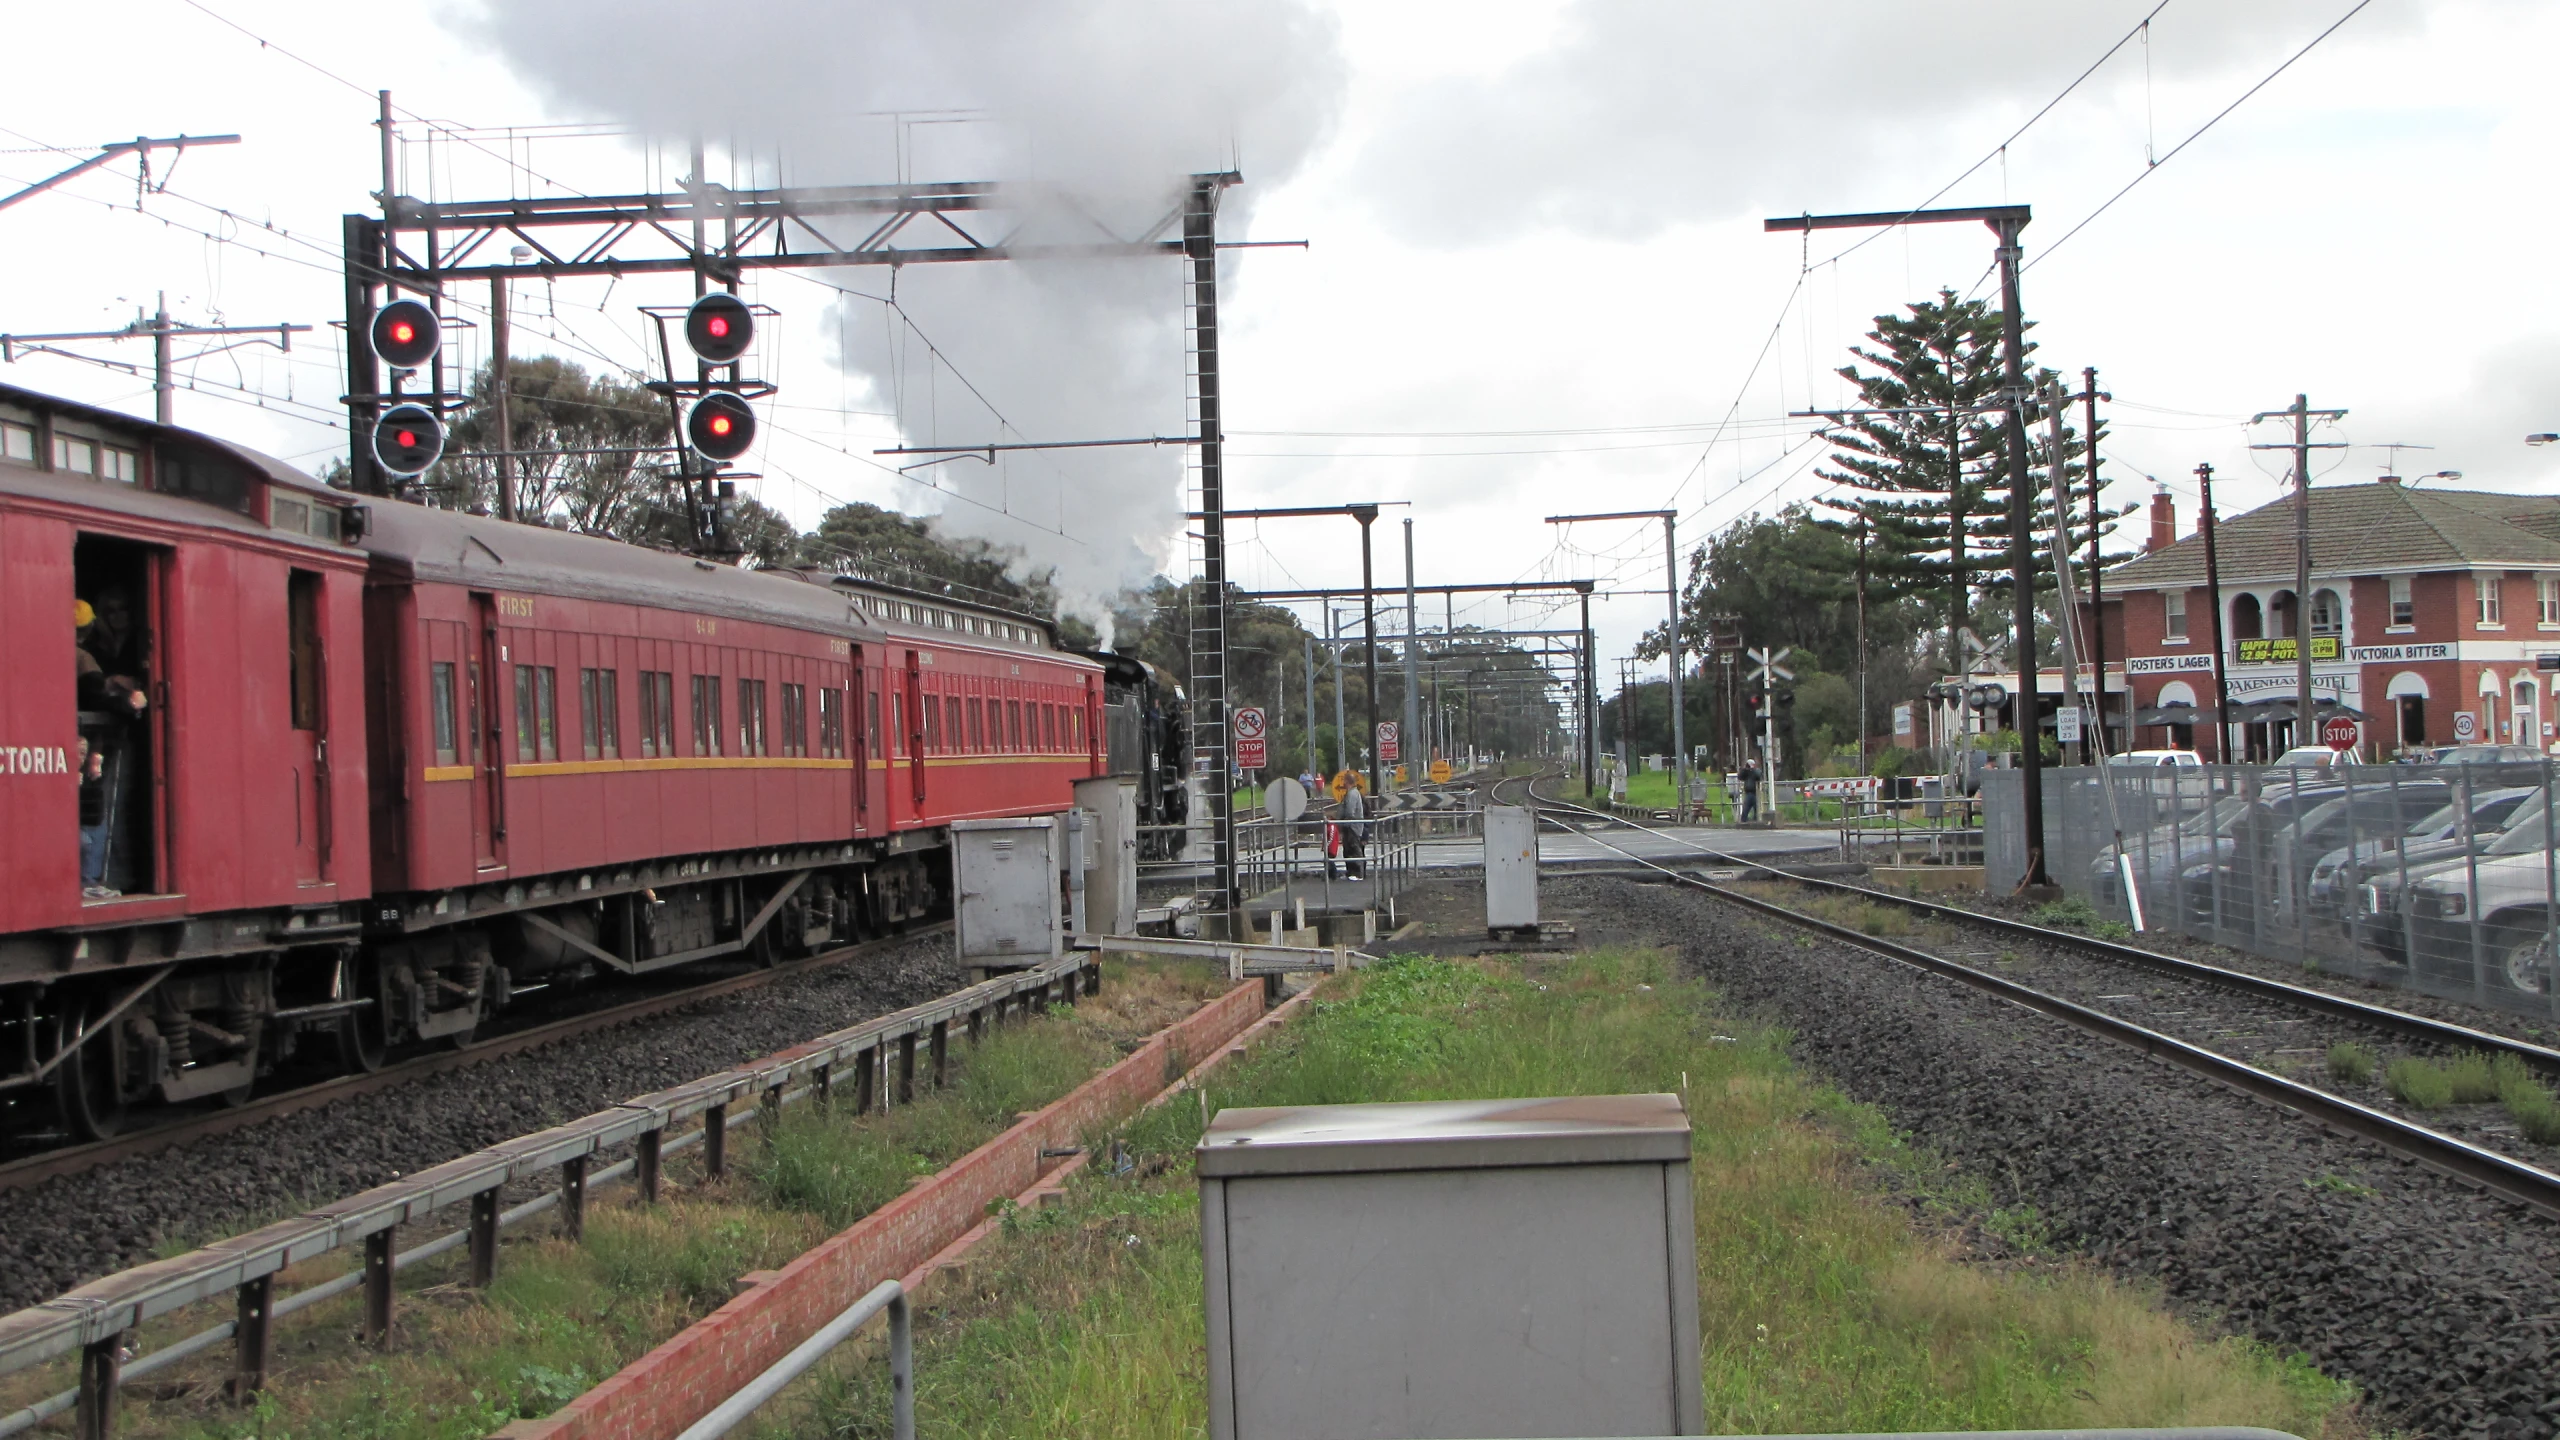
{"type": "Point", "coordinates": [1980, 656]}
{"type": "Point", "coordinates": [1765, 666]}
{"type": "Point", "coordinates": [1439, 772]}
{"type": "Point", "coordinates": [1387, 749]}
{"type": "Point", "coordinates": [1252, 751]}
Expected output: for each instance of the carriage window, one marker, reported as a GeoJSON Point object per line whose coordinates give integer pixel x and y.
{"type": "Point", "coordinates": [977, 727]}
{"type": "Point", "coordinates": [795, 719]}
{"type": "Point", "coordinates": [831, 723]}
{"type": "Point", "coordinates": [600, 714]}
{"type": "Point", "coordinates": [80, 457]}
{"type": "Point", "coordinates": [537, 713]}
{"type": "Point", "coordinates": [657, 713]}
{"type": "Point", "coordinates": [302, 618]}
{"type": "Point", "coordinates": [18, 442]}
{"type": "Point", "coordinates": [933, 724]}
{"type": "Point", "coordinates": [124, 465]}
{"type": "Point", "coordinates": [440, 706]}
{"type": "Point", "coordinates": [897, 722]}
{"type": "Point", "coordinates": [706, 714]}
{"type": "Point", "coordinates": [751, 731]}
{"type": "Point", "coordinates": [872, 733]}
{"type": "Point", "coordinates": [1013, 725]}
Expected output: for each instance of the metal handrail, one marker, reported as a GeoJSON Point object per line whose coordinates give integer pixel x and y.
{"type": "Point", "coordinates": [887, 1295]}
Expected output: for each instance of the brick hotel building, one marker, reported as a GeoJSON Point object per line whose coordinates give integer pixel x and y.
{"type": "Point", "coordinates": [2431, 613]}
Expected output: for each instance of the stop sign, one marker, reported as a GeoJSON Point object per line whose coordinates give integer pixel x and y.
{"type": "Point", "coordinates": [2338, 733]}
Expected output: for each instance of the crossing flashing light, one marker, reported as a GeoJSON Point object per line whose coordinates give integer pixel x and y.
{"type": "Point", "coordinates": [720, 426]}
{"type": "Point", "coordinates": [719, 328]}
{"type": "Point", "coordinates": [406, 334]}
{"type": "Point", "coordinates": [407, 440]}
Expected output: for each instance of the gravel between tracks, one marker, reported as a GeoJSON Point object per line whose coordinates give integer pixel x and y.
{"type": "Point", "coordinates": [76, 1228]}
{"type": "Point", "coordinates": [2436, 1299]}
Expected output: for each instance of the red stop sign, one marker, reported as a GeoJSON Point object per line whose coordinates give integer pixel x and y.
{"type": "Point", "coordinates": [2338, 733]}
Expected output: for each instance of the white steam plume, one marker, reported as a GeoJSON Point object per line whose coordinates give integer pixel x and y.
{"type": "Point", "coordinates": [1105, 106]}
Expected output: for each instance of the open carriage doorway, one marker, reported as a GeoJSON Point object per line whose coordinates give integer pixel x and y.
{"type": "Point", "coordinates": [122, 689]}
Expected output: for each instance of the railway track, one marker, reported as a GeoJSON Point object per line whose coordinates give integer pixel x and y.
{"type": "Point", "coordinates": [33, 1169]}
{"type": "Point", "coordinates": [2494, 1170]}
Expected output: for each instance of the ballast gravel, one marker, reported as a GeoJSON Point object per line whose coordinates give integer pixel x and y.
{"type": "Point", "coordinates": [76, 1228]}
{"type": "Point", "coordinates": [2439, 1301]}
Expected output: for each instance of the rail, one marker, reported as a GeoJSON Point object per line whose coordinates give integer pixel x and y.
{"type": "Point", "coordinates": [2499, 1174]}
{"type": "Point", "coordinates": [888, 1295]}
{"type": "Point", "coordinates": [98, 1319]}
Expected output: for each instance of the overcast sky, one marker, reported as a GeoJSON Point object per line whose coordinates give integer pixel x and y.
{"type": "Point", "coordinates": [1536, 282]}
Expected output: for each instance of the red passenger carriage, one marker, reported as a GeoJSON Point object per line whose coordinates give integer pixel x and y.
{"type": "Point", "coordinates": [394, 765]}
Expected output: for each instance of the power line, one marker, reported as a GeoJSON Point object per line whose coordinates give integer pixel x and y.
{"type": "Point", "coordinates": [2147, 170]}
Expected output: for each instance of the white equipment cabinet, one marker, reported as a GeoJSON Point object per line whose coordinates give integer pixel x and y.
{"type": "Point", "coordinates": [1510, 868]}
{"type": "Point", "coordinates": [1423, 1271]}
{"type": "Point", "coordinates": [1006, 872]}
{"type": "Point", "coordinates": [1110, 855]}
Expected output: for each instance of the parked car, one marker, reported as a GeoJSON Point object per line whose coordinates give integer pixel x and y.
{"type": "Point", "coordinates": [2485, 755]}
{"type": "Point", "coordinates": [2179, 864]}
{"type": "Point", "coordinates": [2497, 911]}
{"type": "Point", "coordinates": [2446, 832]}
{"type": "Point", "coordinates": [2295, 847]}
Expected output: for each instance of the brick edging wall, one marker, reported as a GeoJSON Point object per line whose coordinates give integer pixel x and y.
{"type": "Point", "coordinates": [679, 1382]}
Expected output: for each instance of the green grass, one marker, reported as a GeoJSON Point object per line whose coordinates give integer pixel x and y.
{"type": "Point", "coordinates": [1824, 1307]}
{"type": "Point", "coordinates": [2471, 1078]}
{"type": "Point", "coordinates": [2350, 1064]}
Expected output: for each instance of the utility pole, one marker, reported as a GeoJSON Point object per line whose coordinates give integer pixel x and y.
{"type": "Point", "coordinates": [1671, 584]}
{"type": "Point", "coordinates": [162, 330]}
{"type": "Point", "coordinates": [2306, 725]}
{"type": "Point", "coordinates": [1411, 737]}
{"type": "Point", "coordinates": [2057, 467]}
{"type": "Point", "coordinates": [2022, 566]}
{"type": "Point", "coordinates": [1369, 641]}
{"type": "Point", "coordinates": [2089, 398]}
{"type": "Point", "coordinates": [1315, 762]}
{"type": "Point", "coordinates": [1590, 701]}
{"type": "Point", "coordinates": [498, 395]}
{"type": "Point", "coordinates": [1341, 727]}
{"type": "Point", "coordinates": [1862, 642]}
{"type": "Point", "coordinates": [2213, 591]}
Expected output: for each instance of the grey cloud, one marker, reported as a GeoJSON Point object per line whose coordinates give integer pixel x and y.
{"type": "Point", "coordinates": [1644, 114]}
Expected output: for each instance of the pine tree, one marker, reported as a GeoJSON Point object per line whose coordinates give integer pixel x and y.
{"type": "Point", "coordinates": [1925, 478]}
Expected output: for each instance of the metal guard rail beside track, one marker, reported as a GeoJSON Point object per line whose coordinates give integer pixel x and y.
{"type": "Point", "coordinates": [97, 1318]}
{"type": "Point", "coordinates": [887, 1295]}
{"type": "Point", "coordinates": [2501, 1175]}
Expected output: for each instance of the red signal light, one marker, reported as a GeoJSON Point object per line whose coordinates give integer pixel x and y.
{"type": "Point", "coordinates": [408, 439]}
{"type": "Point", "coordinates": [406, 334]}
{"type": "Point", "coordinates": [719, 328]}
{"type": "Point", "coordinates": [720, 426]}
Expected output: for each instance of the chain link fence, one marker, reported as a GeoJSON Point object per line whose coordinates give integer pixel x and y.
{"type": "Point", "coordinates": [2441, 879]}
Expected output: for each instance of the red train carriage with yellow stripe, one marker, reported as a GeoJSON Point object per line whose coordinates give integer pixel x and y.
{"type": "Point", "coordinates": [393, 766]}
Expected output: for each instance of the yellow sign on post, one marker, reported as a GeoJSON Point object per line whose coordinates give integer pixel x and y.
{"type": "Point", "coordinates": [1439, 772]}
{"type": "Point", "coordinates": [1346, 781]}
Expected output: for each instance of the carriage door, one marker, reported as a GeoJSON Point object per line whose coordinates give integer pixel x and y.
{"type": "Point", "coordinates": [488, 734]}
{"type": "Point", "coordinates": [915, 726]}
{"type": "Point", "coordinates": [307, 742]}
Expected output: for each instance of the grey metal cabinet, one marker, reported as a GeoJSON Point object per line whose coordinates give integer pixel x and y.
{"type": "Point", "coordinates": [1451, 1269]}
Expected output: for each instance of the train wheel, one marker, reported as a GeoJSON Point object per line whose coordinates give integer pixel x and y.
{"type": "Point", "coordinates": [89, 1085]}
{"type": "Point", "coordinates": [359, 1039]}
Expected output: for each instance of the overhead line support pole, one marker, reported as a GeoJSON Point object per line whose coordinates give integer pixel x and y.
{"type": "Point", "coordinates": [1411, 734]}
{"type": "Point", "coordinates": [2005, 222]}
{"type": "Point", "coordinates": [1671, 568]}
